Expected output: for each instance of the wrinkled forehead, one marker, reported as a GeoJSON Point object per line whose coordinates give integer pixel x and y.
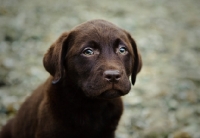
{"type": "Point", "coordinates": [99, 31]}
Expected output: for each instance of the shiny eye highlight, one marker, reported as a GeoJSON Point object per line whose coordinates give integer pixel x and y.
{"type": "Point", "coordinates": [88, 52]}
{"type": "Point", "coordinates": [122, 50]}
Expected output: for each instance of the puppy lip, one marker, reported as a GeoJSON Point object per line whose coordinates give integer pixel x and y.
{"type": "Point", "coordinates": [105, 91]}
{"type": "Point", "coordinates": [111, 93]}
{"type": "Point", "coordinates": [96, 88]}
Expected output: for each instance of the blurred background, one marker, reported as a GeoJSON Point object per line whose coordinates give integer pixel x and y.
{"type": "Point", "coordinates": [165, 101]}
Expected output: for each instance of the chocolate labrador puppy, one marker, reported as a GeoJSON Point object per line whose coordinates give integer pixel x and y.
{"type": "Point", "coordinates": [89, 70]}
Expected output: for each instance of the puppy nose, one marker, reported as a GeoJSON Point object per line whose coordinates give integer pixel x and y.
{"type": "Point", "coordinates": [112, 75]}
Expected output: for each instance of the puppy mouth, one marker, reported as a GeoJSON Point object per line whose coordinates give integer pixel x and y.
{"type": "Point", "coordinates": [111, 94]}
{"type": "Point", "coordinates": [96, 88]}
{"type": "Point", "coordinates": [108, 91]}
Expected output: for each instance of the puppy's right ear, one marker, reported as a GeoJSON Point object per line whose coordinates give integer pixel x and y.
{"type": "Point", "coordinates": [53, 60]}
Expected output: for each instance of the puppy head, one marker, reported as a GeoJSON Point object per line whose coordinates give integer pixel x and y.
{"type": "Point", "coordinates": [97, 56]}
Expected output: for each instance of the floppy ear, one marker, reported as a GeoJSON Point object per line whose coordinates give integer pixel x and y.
{"type": "Point", "coordinates": [53, 60]}
{"type": "Point", "coordinates": [137, 61]}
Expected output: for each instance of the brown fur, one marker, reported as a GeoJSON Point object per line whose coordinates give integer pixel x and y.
{"type": "Point", "coordinates": [90, 68]}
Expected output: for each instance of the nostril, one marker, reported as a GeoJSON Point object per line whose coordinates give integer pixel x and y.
{"type": "Point", "coordinates": [117, 77]}
{"type": "Point", "coordinates": [112, 75]}
{"type": "Point", "coordinates": [109, 77]}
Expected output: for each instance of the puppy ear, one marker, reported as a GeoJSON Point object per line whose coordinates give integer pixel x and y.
{"type": "Point", "coordinates": [53, 60]}
{"type": "Point", "coordinates": [137, 61]}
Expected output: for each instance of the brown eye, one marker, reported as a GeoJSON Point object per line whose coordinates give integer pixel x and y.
{"type": "Point", "coordinates": [122, 50]}
{"type": "Point", "coordinates": [88, 52]}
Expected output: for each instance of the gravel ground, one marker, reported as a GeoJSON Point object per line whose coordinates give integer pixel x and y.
{"type": "Point", "coordinates": [164, 103]}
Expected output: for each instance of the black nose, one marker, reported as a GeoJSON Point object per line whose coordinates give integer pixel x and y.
{"type": "Point", "coordinates": [112, 75]}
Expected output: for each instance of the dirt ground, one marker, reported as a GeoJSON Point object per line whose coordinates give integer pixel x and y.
{"type": "Point", "coordinates": [165, 101]}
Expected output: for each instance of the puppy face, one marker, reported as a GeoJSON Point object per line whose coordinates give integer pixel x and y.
{"type": "Point", "coordinates": [98, 57]}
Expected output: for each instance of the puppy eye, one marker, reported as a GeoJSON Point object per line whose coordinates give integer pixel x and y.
{"type": "Point", "coordinates": [122, 50]}
{"type": "Point", "coordinates": [88, 52]}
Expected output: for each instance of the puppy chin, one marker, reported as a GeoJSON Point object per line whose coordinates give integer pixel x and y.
{"type": "Point", "coordinates": [111, 94]}
{"type": "Point", "coordinates": [107, 91]}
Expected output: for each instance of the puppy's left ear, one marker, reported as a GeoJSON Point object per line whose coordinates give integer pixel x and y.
{"type": "Point", "coordinates": [53, 60]}
{"type": "Point", "coordinates": [137, 61]}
